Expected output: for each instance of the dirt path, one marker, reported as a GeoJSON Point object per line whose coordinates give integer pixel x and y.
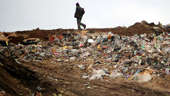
{"type": "Point", "coordinates": [70, 83]}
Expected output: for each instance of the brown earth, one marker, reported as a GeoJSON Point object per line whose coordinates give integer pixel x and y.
{"type": "Point", "coordinates": [72, 81]}
{"type": "Point", "coordinates": [137, 28]}
{"type": "Point", "coordinates": [65, 79]}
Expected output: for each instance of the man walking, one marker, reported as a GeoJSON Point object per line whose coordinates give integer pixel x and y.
{"type": "Point", "coordinates": [79, 14]}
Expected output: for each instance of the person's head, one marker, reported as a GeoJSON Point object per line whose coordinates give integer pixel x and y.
{"type": "Point", "coordinates": [77, 4]}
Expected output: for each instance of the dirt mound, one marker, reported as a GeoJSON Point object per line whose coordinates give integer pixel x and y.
{"type": "Point", "coordinates": [137, 28]}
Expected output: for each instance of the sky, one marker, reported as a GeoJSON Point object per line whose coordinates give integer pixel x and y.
{"type": "Point", "coordinates": [19, 15]}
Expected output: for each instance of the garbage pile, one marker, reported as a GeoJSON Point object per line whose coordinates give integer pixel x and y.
{"type": "Point", "coordinates": [27, 53]}
{"type": "Point", "coordinates": [132, 57]}
{"type": "Point", "coordinates": [138, 57]}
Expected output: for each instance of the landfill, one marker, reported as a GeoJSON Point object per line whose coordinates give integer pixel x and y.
{"type": "Point", "coordinates": [102, 55]}
{"type": "Point", "coordinates": [120, 55]}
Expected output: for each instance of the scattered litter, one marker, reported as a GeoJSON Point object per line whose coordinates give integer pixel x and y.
{"type": "Point", "coordinates": [82, 67]}
{"type": "Point", "coordinates": [98, 74]}
{"type": "Point", "coordinates": [115, 74]}
{"type": "Point", "coordinates": [167, 71]}
{"type": "Point", "coordinates": [144, 76]}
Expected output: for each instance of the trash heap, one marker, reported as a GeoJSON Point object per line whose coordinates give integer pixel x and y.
{"type": "Point", "coordinates": [138, 57]}
{"type": "Point", "coordinates": [131, 57]}
{"type": "Point", "coordinates": [27, 53]}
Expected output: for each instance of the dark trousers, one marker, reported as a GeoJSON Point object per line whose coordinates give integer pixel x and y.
{"type": "Point", "coordinates": [79, 24]}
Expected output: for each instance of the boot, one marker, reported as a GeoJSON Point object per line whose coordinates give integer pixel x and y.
{"type": "Point", "coordinates": [84, 26]}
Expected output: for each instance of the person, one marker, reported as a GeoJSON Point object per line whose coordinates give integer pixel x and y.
{"type": "Point", "coordinates": [79, 14]}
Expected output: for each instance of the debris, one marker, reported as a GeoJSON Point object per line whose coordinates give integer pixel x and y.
{"type": "Point", "coordinates": [119, 53]}
{"type": "Point", "coordinates": [90, 40]}
{"type": "Point", "coordinates": [115, 74]}
{"type": "Point", "coordinates": [167, 71]}
{"type": "Point", "coordinates": [82, 67]}
{"type": "Point", "coordinates": [98, 74]}
{"type": "Point", "coordinates": [72, 58]}
{"type": "Point", "coordinates": [144, 76]}
{"type": "Point", "coordinates": [31, 41]}
{"type": "Point", "coordinates": [123, 51]}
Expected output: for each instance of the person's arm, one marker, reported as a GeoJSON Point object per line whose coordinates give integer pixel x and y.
{"type": "Point", "coordinates": [75, 14]}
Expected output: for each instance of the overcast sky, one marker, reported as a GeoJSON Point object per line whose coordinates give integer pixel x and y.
{"type": "Point", "coordinates": [52, 14]}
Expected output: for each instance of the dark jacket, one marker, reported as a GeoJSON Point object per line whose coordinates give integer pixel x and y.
{"type": "Point", "coordinates": [79, 12]}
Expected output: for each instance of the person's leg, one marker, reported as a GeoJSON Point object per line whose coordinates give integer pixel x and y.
{"type": "Point", "coordinates": [78, 23]}
{"type": "Point", "coordinates": [82, 24]}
